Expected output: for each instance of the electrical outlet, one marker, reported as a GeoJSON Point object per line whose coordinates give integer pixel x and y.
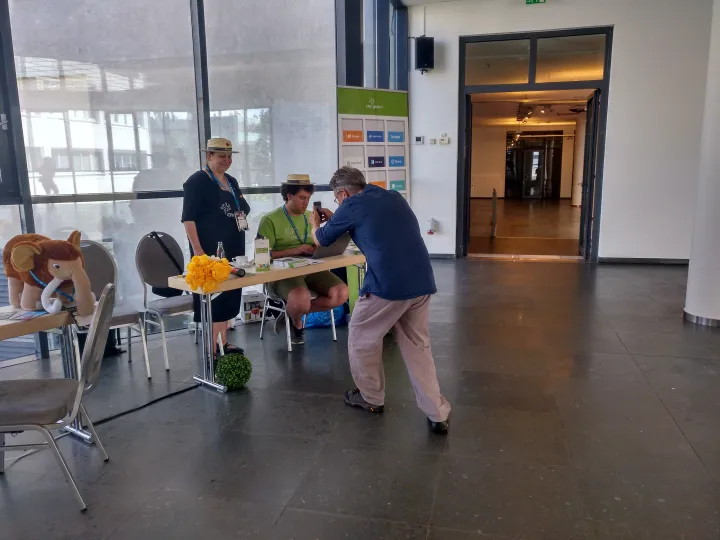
{"type": "Point", "coordinates": [444, 139]}
{"type": "Point", "coordinates": [419, 139]}
{"type": "Point", "coordinates": [433, 141]}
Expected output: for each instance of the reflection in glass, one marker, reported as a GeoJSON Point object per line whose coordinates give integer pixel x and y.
{"type": "Point", "coordinates": [9, 227]}
{"type": "Point", "coordinates": [497, 62]}
{"type": "Point", "coordinates": [572, 58]}
{"type": "Point", "coordinates": [272, 87]}
{"type": "Point", "coordinates": [98, 104]}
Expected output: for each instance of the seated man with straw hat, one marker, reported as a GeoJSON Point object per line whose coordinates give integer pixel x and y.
{"type": "Point", "coordinates": [288, 230]}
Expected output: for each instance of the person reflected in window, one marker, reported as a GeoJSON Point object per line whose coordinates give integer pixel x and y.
{"type": "Point", "coordinates": [47, 176]}
{"type": "Point", "coordinates": [214, 210]}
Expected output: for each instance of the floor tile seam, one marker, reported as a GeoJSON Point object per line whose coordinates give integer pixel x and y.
{"type": "Point", "coordinates": [129, 519]}
{"type": "Point", "coordinates": [355, 516]}
{"type": "Point", "coordinates": [394, 449]}
{"type": "Point", "coordinates": [274, 435]}
{"type": "Point", "coordinates": [573, 468]}
{"type": "Point", "coordinates": [677, 424]}
{"type": "Point", "coordinates": [438, 479]}
{"type": "Point", "coordinates": [479, 536]}
{"type": "Point", "coordinates": [705, 359]}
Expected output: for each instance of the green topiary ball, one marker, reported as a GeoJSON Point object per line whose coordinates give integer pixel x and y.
{"type": "Point", "coordinates": [233, 370]}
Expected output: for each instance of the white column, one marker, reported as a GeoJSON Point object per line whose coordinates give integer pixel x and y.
{"type": "Point", "coordinates": [702, 303]}
{"type": "Point", "coordinates": [579, 163]}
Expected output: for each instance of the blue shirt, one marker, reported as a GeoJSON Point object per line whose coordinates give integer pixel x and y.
{"type": "Point", "coordinates": [387, 232]}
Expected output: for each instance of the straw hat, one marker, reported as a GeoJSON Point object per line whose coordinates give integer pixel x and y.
{"type": "Point", "coordinates": [298, 180]}
{"type": "Point", "coordinates": [218, 144]}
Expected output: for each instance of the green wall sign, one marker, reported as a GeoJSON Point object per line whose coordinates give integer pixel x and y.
{"type": "Point", "coordinates": [371, 102]}
{"type": "Point", "coordinates": [535, 1]}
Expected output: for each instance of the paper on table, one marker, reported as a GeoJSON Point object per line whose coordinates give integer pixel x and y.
{"type": "Point", "coordinates": [27, 315]}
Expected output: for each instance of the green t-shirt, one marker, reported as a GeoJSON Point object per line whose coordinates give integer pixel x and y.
{"type": "Point", "coordinates": [277, 229]}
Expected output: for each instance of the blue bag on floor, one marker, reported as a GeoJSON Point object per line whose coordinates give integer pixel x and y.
{"type": "Point", "coordinates": [321, 319]}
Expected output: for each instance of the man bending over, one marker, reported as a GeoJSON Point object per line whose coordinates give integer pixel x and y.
{"type": "Point", "coordinates": [395, 294]}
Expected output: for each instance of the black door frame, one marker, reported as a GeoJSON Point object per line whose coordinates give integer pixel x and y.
{"type": "Point", "coordinates": [465, 127]}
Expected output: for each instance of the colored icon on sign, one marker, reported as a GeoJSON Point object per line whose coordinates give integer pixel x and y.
{"type": "Point", "coordinates": [397, 185]}
{"type": "Point", "coordinates": [379, 184]}
{"type": "Point", "coordinates": [356, 162]}
{"type": "Point", "coordinates": [396, 136]}
{"type": "Point", "coordinates": [375, 136]}
{"type": "Point", "coordinates": [397, 161]}
{"type": "Point", "coordinates": [352, 136]}
{"type": "Point", "coordinates": [376, 161]}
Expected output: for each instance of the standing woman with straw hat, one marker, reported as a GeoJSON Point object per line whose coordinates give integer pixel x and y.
{"type": "Point", "coordinates": [214, 210]}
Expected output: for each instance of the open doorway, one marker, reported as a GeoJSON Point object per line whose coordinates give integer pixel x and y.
{"type": "Point", "coordinates": [524, 100]}
{"type": "Point", "coordinates": [526, 172]}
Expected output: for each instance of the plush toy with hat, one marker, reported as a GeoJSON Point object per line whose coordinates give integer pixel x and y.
{"type": "Point", "coordinates": [47, 274]}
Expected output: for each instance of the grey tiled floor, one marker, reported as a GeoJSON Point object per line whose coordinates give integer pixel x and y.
{"type": "Point", "coordinates": [583, 407]}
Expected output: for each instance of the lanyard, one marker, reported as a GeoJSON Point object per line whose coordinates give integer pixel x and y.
{"type": "Point", "coordinates": [237, 203]}
{"type": "Point", "coordinates": [304, 241]}
{"type": "Point", "coordinates": [58, 291]}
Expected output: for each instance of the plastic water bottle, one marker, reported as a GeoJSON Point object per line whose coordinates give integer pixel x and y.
{"type": "Point", "coordinates": [220, 251]}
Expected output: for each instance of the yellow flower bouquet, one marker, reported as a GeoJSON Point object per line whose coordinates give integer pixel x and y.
{"type": "Point", "coordinates": [206, 273]}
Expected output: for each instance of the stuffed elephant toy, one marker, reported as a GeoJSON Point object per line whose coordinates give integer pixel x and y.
{"type": "Point", "coordinates": [47, 274]}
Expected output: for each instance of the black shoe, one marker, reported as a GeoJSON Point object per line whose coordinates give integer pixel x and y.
{"type": "Point", "coordinates": [297, 335]}
{"type": "Point", "coordinates": [354, 398]}
{"type": "Point", "coordinates": [441, 428]}
{"type": "Point", "coordinates": [229, 348]}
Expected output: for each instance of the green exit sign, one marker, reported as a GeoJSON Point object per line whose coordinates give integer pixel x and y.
{"type": "Point", "coordinates": [535, 1]}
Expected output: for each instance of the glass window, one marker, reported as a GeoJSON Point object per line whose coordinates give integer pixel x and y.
{"type": "Point", "coordinates": [393, 47]}
{"type": "Point", "coordinates": [89, 87]}
{"type": "Point", "coordinates": [497, 62]}
{"type": "Point", "coordinates": [9, 227]}
{"type": "Point", "coordinates": [272, 86]}
{"type": "Point", "coordinates": [572, 58]}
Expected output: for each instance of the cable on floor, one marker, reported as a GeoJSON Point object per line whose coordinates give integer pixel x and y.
{"type": "Point", "coordinates": [10, 462]}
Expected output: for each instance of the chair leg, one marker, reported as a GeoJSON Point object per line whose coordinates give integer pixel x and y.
{"type": "Point", "coordinates": [262, 321]}
{"type": "Point", "coordinates": [332, 324]}
{"type": "Point", "coordinates": [143, 339]}
{"type": "Point", "coordinates": [164, 343]}
{"type": "Point", "coordinates": [287, 330]}
{"type": "Point", "coordinates": [63, 466]}
{"type": "Point", "coordinates": [94, 434]}
{"type": "Point", "coordinates": [2, 454]}
{"type": "Point", "coordinates": [78, 356]}
{"type": "Point", "coordinates": [129, 344]}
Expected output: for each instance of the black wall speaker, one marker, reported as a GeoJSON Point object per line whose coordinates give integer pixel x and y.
{"type": "Point", "coordinates": [424, 53]}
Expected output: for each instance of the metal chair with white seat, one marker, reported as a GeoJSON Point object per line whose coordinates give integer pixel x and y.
{"type": "Point", "coordinates": [155, 267]}
{"type": "Point", "coordinates": [283, 311]}
{"type": "Point", "coordinates": [43, 405]}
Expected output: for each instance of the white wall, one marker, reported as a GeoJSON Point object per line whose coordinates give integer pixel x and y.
{"type": "Point", "coordinates": [659, 67]}
{"type": "Point", "coordinates": [487, 168]}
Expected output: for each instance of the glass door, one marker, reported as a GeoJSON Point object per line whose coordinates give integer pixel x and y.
{"type": "Point", "coordinates": [589, 169]}
{"type": "Point", "coordinates": [533, 174]}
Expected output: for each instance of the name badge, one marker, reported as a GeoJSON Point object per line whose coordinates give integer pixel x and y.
{"type": "Point", "coordinates": [241, 221]}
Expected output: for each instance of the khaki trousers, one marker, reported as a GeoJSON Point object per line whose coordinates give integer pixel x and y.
{"type": "Point", "coordinates": [372, 319]}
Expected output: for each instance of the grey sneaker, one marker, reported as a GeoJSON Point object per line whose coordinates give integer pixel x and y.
{"type": "Point", "coordinates": [297, 335]}
{"type": "Point", "coordinates": [354, 398]}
